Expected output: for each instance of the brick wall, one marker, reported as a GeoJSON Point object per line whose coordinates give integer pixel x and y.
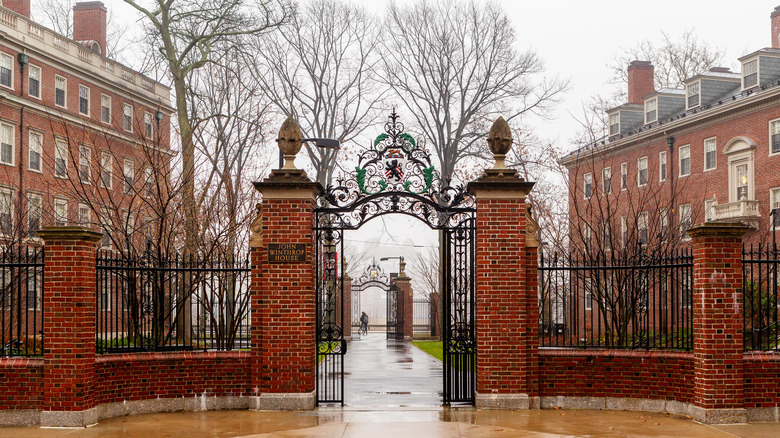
{"type": "Point", "coordinates": [143, 376]}
{"type": "Point", "coordinates": [622, 374]}
{"type": "Point", "coordinates": [22, 383]}
{"type": "Point", "coordinates": [89, 23]}
{"type": "Point", "coordinates": [762, 380]}
{"type": "Point", "coordinates": [19, 6]}
{"type": "Point", "coordinates": [640, 81]}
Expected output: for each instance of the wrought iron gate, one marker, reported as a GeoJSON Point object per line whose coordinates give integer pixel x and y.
{"type": "Point", "coordinates": [394, 314]}
{"type": "Point", "coordinates": [397, 176]}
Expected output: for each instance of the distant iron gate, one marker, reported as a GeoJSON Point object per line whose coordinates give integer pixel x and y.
{"type": "Point", "coordinates": [394, 315]}
{"type": "Point", "coordinates": [397, 176]}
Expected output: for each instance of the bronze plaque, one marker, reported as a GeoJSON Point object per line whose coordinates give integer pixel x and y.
{"type": "Point", "coordinates": [286, 252]}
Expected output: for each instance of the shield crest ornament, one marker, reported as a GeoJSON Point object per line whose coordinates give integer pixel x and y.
{"type": "Point", "coordinates": [395, 161]}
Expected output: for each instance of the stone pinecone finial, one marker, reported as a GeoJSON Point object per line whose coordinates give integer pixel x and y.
{"type": "Point", "coordinates": [289, 141]}
{"type": "Point", "coordinates": [500, 141]}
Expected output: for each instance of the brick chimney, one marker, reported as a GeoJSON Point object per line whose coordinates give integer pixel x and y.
{"type": "Point", "coordinates": [641, 75]}
{"type": "Point", "coordinates": [775, 16]}
{"type": "Point", "coordinates": [19, 6]}
{"type": "Point", "coordinates": [89, 24]}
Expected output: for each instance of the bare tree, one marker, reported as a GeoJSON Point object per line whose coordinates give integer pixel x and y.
{"type": "Point", "coordinates": [455, 67]}
{"type": "Point", "coordinates": [425, 271]}
{"type": "Point", "coordinates": [188, 35]}
{"type": "Point", "coordinates": [321, 69]}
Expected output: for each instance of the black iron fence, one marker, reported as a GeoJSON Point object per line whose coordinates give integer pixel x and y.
{"type": "Point", "coordinates": [21, 298]}
{"type": "Point", "coordinates": [149, 304]}
{"type": "Point", "coordinates": [639, 302]}
{"type": "Point", "coordinates": [760, 265]}
{"type": "Point", "coordinates": [421, 316]}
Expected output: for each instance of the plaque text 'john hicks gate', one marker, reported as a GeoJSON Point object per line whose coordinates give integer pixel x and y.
{"type": "Point", "coordinates": [286, 252]}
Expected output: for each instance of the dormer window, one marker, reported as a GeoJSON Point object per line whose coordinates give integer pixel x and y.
{"type": "Point", "coordinates": [651, 110]}
{"type": "Point", "coordinates": [693, 95]}
{"type": "Point", "coordinates": [614, 124]}
{"type": "Point", "coordinates": [750, 74]}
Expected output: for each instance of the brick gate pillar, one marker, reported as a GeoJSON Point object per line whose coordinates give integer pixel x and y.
{"type": "Point", "coordinates": [405, 298]}
{"type": "Point", "coordinates": [502, 321]}
{"type": "Point", "coordinates": [69, 343]}
{"type": "Point", "coordinates": [283, 292]}
{"type": "Point", "coordinates": [718, 382]}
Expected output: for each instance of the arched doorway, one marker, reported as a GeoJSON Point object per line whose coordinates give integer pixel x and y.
{"type": "Point", "coordinates": [397, 176]}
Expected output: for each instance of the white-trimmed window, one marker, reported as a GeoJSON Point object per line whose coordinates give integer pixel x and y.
{"type": "Point", "coordinates": [709, 209]}
{"type": "Point", "coordinates": [105, 170]}
{"type": "Point", "coordinates": [7, 144]}
{"type": "Point", "coordinates": [685, 221]}
{"type": "Point", "coordinates": [774, 203]}
{"type": "Point", "coordinates": [651, 110]}
{"type": "Point", "coordinates": [127, 117]}
{"type": "Point", "coordinates": [774, 137]}
{"type": "Point", "coordinates": [6, 210]}
{"type": "Point", "coordinates": [6, 70]}
{"type": "Point", "coordinates": [641, 174]}
{"type": "Point", "coordinates": [105, 108]}
{"type": "Point", "coordinates": [60, 91]}
{"type": "Point", "coordinates": [662, 166]}
{"type": "Point", "coordinates": [623, 231]}
{"type": "Point", "coordinates": [693, 95]}
{"type": "Point", "coordinates": [34, 212]}
{"type": "Point", "coordinates": [623, 176]}
{"type": "Point", "coordinates": [128, 174]}
{"type": "Point", "coordinates": [710, 153]}
{"type": "Point", "coordinates": [148, 181]}
{"type": "Point", "coordinates": [148, 127]}
{"type": "Point", "coordinates": [588, 289]}
{"type": "Point", "coordinates": [606, 179]}
{"type": "Point", "coordinates": [84, 100]}
{"type": "Point", "coordinates": [85, 163]}
{"type": "Point", "coordinates": [588, 185]}
{"type": "Point", "coordinates": [35, 150]}
{"type": "Point", "coordinates": [606, 236]}
{"type": "Point", "coordinates": [60, 212]}
{"type": "Point", "coordinates": [85, 215]}
{"type": "Point", "coordinates": [614, 124]}
{"type": "Point", "coordinates": [750, 74]}
{"type": "Point", "coordinates": [587, 236]}
{"type": "Point", "coordinates": [34, 81]}
{"type": "Point", "coordinates": [742, 181]}
{"type": "Point", "coordinates": [60, 158]}
{"type": "Point", "coordinates": [643, 227]}
{"type": "Point", "coordinates": [685, 160]}
{"type": "Point", "coordinates": [664, 224]}
{"type": "Point", "coordinates": [105, 227]}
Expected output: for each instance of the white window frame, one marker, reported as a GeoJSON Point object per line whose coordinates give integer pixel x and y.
{"type": "Point", "coordinates": [587, 298]}
{"type": "Point", "coordinates": [103, 117]}
{"type": "Point", "coordinates": [84, 215]}
{"type": "Point", "coordinates": [623, 176]}
{"type": "Point", "coordinates": [641, 165]}
{"type": "Point", "coordinates": [148, 125]}
{"type": "Point", "coordinates": [688, 95]}
{"type": "Point", "coordinates": [127, 119]}
{"type": "Point", "coordinates": [84, 95]}
{"type": "Point", "coordinates": [60, 218]}
{"type": "Point", "coordinates": [606, 180]}
{"type": "Point", "coordinates": [651, 105]}
{"type": "Point", "coordinates": [623, 231]}
{"type": "Point", "coordinates": [12, 64]}
{"type": "Point", "coordinates": [30, 78]}
{"type": "Point", "coordinates": [106, 170]}
{"type": "Point", "coordinates": [711, 147]}
{"type": "Point", "coordinates": [34, 210]}
{"type": "Point", "coordinates": [774, 129]}
{"type": "Point", "coordinates": [685, 218]}
{"type": "Point", "coordinates": [35, 146]}
{"type": "Point", "coordinates": [774, 202]}
{"type": "Point", "coordinates": [148, 181]}
{"type": "Point", "coordinates": [105, 227]}
{"type": "Point", "coordinates": [587, 185]}
{"type": "Point", "coordinates": [7, 193]}
{"type": "Point", "coordinates": [60, 154]}
{"type": "Point", "coordinates": [685, 151]}
{"type": "Point", "coordinates": [709, 209]}
{"type": "Point", "coordinates": [663, 166]}
{"type": "Point", "coordinates": [85, 164]}
{"type": "Point", "coordinates": [64, 91]}
{"type": "Point", "coordinates": [663, 223]}
{"type": "Point", "coordinates": [5, 128]}
{"type": "Point", "coordinates": [128, 175]}
{"type": "Point", "coordinates": [614, 122]}
{"type": "Point", "coordinates": [643, 224]}
{"type": "Point", "coordinates": [744, 74]}
{"type": "Point", "coordinates": [741, 153]}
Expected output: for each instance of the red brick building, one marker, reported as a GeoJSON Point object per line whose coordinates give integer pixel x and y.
{"type": "Point", "coordinates": [675, 157]}
{"type": "Point", "coordinates": [75, 126]}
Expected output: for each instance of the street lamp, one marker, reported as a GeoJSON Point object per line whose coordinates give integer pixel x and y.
{"type": "Point", "coordinates": [324, 143]}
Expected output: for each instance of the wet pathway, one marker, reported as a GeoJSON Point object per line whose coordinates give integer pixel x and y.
{"type": "Point", "coordinates": [383, 373]}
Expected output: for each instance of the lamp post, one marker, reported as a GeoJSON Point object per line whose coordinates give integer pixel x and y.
{"type": "Point", "coordinates": [324, 143]}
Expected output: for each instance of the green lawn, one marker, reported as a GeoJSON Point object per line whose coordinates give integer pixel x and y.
{"type": "Point", "coordinates": [434, 348]}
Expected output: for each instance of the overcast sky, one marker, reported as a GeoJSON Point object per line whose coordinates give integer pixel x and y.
{"type": "Point", "coordinates": [576, 40]}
